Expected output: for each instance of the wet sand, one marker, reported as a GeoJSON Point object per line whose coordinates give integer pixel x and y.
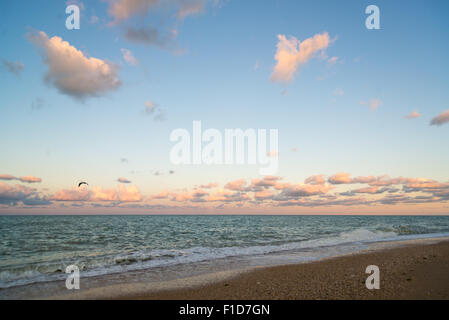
{"type": "Point", "coordinates": [412, 271]}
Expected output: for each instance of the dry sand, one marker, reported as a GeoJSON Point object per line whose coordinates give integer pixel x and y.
{"type": "Point", "coordinates": [412, 271]}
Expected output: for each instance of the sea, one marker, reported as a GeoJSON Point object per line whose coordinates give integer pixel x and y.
{"type": "Point", "coordinates": [38, 249]}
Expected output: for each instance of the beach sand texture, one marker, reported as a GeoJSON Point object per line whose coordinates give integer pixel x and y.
{"type": "Point", "coordinates": [413, 271]}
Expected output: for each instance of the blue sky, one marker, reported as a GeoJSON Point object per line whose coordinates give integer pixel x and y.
{"type": "Point", "coordinates": [218, 70]}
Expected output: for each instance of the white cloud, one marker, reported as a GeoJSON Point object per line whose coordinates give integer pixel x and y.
{"type": "Point", "coordinates": [129, 57]}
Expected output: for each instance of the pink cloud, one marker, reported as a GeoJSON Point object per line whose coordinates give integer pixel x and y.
{"type": "Point", "coordinates": [192, 7]}
{"type": "Point", "coordinates": [316, 179]}
{"type": "Point", "coordinates": [30, 179]}
{"type": "Point", "coordinates": [7, 177]}
{"type": "Point", "coordinates": [273, 154]}
{"type": "Point", "coordinates": [373, 103]}
{"type": "Point", "coordinates": [129, 194]}
{"type": "Point", "coordinates": [368, 179]}
{"type": "Point", "coordinates": [332, 60]}
{"type": "Point", "coordinates": [262, 195]}
{"type": "Point", "coordinates": [415, 114]}
{"type": "Point", "coordinates": [264, 192]}
{"type": "Point", "coordinates": [125, 9]}
{"type": "Point", "coordinates": [123, 180]}
{"type": "Point", "coordinates": [99, 194]}
{"type": "Point", "coordinates": [209, 185]}
{"type": "Point", "coordinates": [71, 72]}
{"type": "Point", "coordinates": [292, 53]}
{"type": "Point", "coordinates": [237, 185]}
{"type": "Point", "coordinates": [299, 190]}
{"type": "Point", "coordinates": [282, 185]}
{"type": "Point", "coordinates": [27, 179]}
{"type": "Point", "coordinates": [7, 189]}
{"type": "Point", "coordinates": [13, 195]}
{"type": "Point", "coordinates": [74, 194]}
{"type": "Point", "coordinates": [195, 196]}
{"type": "Point", "coordinates": [227, 196]}
{"type": "Point", "coordinates": [371, 190]}
{"type": "Point", "coordinates": [442, 118]}
{"type": "Point", "coordinates": [161, 195]}
{"type": "Point", "coordinates": [129, 57]}
{"type": "Point", "coordinates": [122, 10]}
{"type": "Point", "coordinates": [340, 178]}
{"type": "Point", "coordinates": [267, 181]}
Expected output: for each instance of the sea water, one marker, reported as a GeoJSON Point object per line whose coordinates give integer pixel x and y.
{"type": "Point", "coordinates": [37, 249]}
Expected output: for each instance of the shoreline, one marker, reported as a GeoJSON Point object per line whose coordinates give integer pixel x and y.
{"type": "Point", "coordinates": [410, 270]}
{"type": "Point", "coordinates": [337, 277]}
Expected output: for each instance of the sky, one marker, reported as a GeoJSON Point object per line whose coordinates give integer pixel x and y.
{"type": "Point", "coordinates": [362, 114]}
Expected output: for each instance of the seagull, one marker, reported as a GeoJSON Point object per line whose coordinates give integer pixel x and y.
{"type": "Point", "coordinates": [81, 183]}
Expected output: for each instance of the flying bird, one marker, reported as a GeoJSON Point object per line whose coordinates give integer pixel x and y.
{"type": "Point", "coordinates": [81, 183]}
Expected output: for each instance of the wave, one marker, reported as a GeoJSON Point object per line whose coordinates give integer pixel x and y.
{"type": "Point", "coordinates": [140, 260]}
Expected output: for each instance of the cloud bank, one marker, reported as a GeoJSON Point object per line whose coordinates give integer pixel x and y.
{"type": "Point", "coordinates": [340, 189]}
{"type": "Point", "coordinates": [99, 194]}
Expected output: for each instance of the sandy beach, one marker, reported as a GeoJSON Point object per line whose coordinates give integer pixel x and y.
{"type": "Point", "coordinates": [412, 271]}
{"type": "Point", "coordinates": [409, 269]}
